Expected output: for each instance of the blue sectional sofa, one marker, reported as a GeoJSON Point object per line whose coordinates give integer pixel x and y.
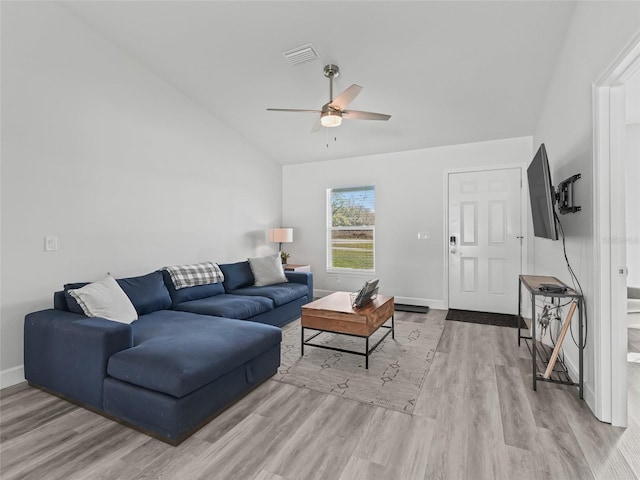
{"type": "Point", "coordinates": [191, 353]}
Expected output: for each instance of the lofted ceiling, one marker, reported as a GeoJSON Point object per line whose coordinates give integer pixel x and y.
{"type": "Point", "coordinates": [449, 72]}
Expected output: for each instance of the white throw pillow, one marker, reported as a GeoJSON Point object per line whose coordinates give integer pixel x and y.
{"type": "Point", "coordinates": [267, 270]}
{"type": "Point", "coordinates": [105, 299]}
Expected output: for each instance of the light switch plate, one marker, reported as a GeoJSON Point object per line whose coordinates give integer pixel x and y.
{"type": "Point", "coordinates": [50, 243]}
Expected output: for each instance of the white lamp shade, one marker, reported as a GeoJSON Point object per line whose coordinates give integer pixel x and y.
{"type": "Point", "coordinates": [281, 235]}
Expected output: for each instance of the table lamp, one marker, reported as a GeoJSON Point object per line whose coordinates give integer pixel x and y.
{"type": "Point", "coordinates": [280, 236]}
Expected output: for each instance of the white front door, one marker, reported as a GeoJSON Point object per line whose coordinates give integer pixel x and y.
{"type": "Point", "coordinates": [485, 240]}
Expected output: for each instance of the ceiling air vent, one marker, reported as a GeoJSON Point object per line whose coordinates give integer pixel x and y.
{"type": "Point", "coordinates": [299, 55]}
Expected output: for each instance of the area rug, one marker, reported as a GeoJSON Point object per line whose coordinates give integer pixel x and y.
{"type": "Point", "coordinates": [497, 319]}
{"type": "Point", "coordinates": [397, 368]}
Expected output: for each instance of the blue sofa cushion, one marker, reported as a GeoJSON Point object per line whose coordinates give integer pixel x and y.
{"type": "Point", "coordinates": [177, 352]}
{"type": "Point", "coordinates": [190, 293]}
{"type": "Point", "coordinates": [148, 293]}
{"type": "Point", "coordinates": [72, 304]}
{"type": "Point", "coordinates": [229, 306]}
{"type": "Point", "coordinates": [280, 293]}
{"type": "Point", "coordinates": [237, 275]}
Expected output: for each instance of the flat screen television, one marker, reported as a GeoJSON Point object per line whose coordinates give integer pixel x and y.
{"type": "Point", "coordinates": [542, 196]}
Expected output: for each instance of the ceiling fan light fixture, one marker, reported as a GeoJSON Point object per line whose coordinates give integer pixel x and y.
{"type": "Point", "coordinates": [330, 119]}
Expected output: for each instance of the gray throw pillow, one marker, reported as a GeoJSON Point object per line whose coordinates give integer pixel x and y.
{"type": "Point", "coordinates": [105, 299]}
{"type": "Point", "coordinates": [267, 270]}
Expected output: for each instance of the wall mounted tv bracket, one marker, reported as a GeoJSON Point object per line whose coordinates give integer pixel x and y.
{"type": "Point", "coordinates": [564, 196]}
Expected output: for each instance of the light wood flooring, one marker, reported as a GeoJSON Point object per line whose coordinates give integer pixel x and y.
{"type": "Point", "coordinates": [476, 418]}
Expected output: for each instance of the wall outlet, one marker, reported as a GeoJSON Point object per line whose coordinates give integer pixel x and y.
{"type": "Point", "coordinates": [338, 280]}
{"type": "Point", "coordinates": [50, 243]}
{"type": "Point", "coordinates": [423, 236]}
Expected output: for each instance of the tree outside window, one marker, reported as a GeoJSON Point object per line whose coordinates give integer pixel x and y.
{"type": "Point", "coordinates": [351, 219]}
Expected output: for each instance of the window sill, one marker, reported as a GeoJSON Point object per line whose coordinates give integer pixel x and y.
{"type": "Point", "coordinates": [350, 272]}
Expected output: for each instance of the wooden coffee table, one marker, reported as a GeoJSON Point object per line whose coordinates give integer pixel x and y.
{"type": "Point", "coordinates": [334, 314]}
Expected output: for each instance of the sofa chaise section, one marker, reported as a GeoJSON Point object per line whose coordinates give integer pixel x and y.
{"type": "Point", "coordinates": [175, 377]}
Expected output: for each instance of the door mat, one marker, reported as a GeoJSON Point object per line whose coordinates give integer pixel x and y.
{"type": "Point", "coordinates": [400, 307]}
{"type": "Point", "coordinates": [485, 318]}
{"type": "Point", "coordinates": [397, 368]}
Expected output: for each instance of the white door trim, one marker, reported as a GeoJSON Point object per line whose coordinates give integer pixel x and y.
{"type": "Point", "coordinates": [609, 325]}
{"type": "Point", "coordinates": [602, 256]}
{"type": "Point", "coordinates": [524, 205]}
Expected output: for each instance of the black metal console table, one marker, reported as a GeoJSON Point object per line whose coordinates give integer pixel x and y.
{"type": "Point", "coordinates": [540, 351]}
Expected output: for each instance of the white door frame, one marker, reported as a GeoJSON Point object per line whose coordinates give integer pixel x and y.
{"type": "Point", "coordinates": [610, 324]}
{"type": "Point", "coordinates": [524, 205]}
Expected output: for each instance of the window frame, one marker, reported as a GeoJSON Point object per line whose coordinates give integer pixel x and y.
{"type": "Point", "coordinates": [330, 229]}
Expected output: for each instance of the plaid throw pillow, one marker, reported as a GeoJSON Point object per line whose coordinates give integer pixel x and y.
{"type": "Point", "coordinates": [197, 274]}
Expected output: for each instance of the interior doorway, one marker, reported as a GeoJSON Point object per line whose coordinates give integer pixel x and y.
{"type": "Point", "coordinates": [610, 237]}
{"type": "Point", "coordinates": [632, 177]}
{"type": "Point", "coordinates": [485, 239]}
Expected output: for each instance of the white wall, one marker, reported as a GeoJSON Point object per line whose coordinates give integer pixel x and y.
{"type": "Point", "coordinates": [409, 199]}
{"type": "Point", "coordinates": [598, 33]}
{"type": "Point", "coordinates": [124, 169]}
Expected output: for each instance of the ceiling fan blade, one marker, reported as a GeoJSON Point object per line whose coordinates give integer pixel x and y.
{"type": "Point", "coordinates": [292, 110]}
{"type": "Point", "coordinates": [316, 126]}
{"type": "Point", "coordinates": [343, 100]}
{"type": "Point", "coordinates": [358, 115]}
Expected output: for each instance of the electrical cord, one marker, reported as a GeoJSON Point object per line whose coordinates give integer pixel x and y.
{"type": "Point", "coordinates": [574, 280]}
{"type": "Point", "coordinates": [555, 306]}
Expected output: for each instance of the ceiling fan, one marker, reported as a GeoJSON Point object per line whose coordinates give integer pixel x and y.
{"type": "Point", "coordinates": [333, 112]}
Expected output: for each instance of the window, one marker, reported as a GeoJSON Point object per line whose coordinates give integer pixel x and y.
{"type": "Point", "coordinates": [351, 219]}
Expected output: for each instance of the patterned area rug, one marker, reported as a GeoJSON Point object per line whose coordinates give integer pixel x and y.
{"type": "Point", "coordinates": [397, 368]}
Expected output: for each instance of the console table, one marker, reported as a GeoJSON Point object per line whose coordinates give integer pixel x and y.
{"type": "Point", "coordinates": [560, 374]}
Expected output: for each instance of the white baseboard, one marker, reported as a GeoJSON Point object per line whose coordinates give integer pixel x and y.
{"type": "Point", "coordinates": [588, 392]}
{"type": "Point", "coordinates": [573, 369]}
{"type": "Point", "coordinates": [11, 376]}
{"type": "Point", "coordinates": [423, 302]}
